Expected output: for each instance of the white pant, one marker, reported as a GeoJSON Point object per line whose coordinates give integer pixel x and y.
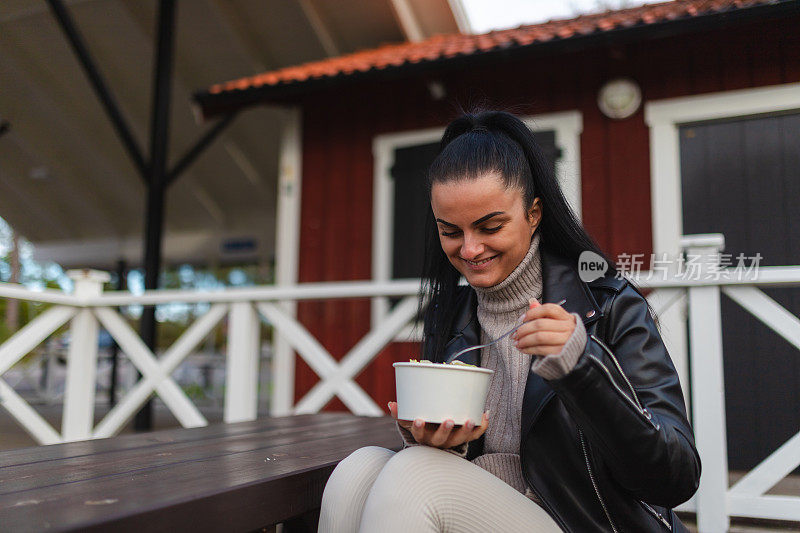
{"type": "Point", "coordinates": [423, 489]}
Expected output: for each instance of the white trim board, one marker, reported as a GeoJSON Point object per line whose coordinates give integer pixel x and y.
{"type": "Point", "coordinates": [567, 127]}
{"type": "Point", "coordinates": [287, 252]}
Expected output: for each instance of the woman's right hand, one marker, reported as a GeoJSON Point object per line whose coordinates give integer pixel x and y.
{"type": "Point", "coordinates": [441, 435]}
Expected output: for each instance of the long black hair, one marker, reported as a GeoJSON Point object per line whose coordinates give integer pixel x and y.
{"type": "Point", "coordinates": [494, 142]}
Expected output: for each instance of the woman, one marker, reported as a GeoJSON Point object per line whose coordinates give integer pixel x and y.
{"type": "Point", "coordinates": [585, 428]}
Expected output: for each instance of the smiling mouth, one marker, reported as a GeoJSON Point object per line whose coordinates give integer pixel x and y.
{"type": "Point", "coordinates": [479, 262]}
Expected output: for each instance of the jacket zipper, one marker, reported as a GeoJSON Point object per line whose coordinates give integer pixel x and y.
{"type": "Point", "coordinates": [634, 403]}
{"type": "Point", "coordinates": [594, 483]}
{"type": "Point", "coordinates": [657, 515]}
{"type": "Point", "coordinates": [638, 405]}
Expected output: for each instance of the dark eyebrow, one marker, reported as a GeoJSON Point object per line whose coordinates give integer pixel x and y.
{"type": "Point", "coordinates": [487, 217]}
{"type": "Point", "coordinates": [480, 220]}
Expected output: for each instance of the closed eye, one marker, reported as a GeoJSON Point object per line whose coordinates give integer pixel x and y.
{"type": "Point", "coordinates": [485, 230]}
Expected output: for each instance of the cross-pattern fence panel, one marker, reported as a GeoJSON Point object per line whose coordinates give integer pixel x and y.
{"type": "Point", "coordinates": [680, 302]}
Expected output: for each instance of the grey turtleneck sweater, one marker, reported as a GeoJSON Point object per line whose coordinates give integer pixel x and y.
{"type": "Point", "coordinates": [499, 309]}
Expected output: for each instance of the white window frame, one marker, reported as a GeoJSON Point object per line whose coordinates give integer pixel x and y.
{"type": "Point", "coordinates": [567, 127]}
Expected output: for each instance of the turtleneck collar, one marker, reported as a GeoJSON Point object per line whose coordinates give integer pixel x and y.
{"type": "Point", "coordinates": [514, 292]}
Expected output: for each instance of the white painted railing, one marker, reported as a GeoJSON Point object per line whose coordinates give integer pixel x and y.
{"type": "Point", "coordinates": [674, 298]}
{"type": "Point", "coordinates": [715, 502]}
{"type": "Point", "coordinates": [88, 308]}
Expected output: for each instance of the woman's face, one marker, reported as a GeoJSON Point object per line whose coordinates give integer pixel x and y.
{"type": "Point", "coordinates": [483, 227]}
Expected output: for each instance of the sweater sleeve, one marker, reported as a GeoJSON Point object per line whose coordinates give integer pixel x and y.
{"type": "Point", "coordinates": [408, 441]}
{"type": "Point", "coordinates": [555, 366]}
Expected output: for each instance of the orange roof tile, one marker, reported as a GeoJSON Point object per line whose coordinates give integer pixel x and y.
{"type": "Point", "coordinates": [449, 46]}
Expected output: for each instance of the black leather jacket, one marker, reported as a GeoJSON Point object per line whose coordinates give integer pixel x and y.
{"type": "Point", "coordinates": [607, 447]}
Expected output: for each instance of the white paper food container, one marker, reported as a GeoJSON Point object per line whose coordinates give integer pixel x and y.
{"type": "Point", "coordinates": [435, 392]}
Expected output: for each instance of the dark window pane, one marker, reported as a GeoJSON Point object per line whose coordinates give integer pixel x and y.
{"type": "Point", "coordinates": [741, 178]}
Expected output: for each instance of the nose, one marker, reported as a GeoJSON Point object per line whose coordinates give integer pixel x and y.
{"type": "Point", "coordinates": [472, 246]}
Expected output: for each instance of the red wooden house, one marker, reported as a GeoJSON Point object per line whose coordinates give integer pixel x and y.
{"type": "Point", "coordinates": [712, 147]}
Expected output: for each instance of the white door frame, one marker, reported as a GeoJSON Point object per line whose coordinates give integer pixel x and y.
{"type": "Point", "coordinates": [567, 126]}
{"type": "Point", "coordinates": [664, 118]}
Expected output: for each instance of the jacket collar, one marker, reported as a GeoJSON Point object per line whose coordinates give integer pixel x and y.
{"type": "Point", "coordinates": [561, 281]}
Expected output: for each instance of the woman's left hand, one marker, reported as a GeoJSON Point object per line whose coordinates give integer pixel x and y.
{"type": "Point", "coordinates": [546, 329]}
{"type": "Point", "coordinates": [445, 435]}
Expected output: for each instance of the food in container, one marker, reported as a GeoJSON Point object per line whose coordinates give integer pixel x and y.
{"type": "Point", "coordinates": [436, 392]}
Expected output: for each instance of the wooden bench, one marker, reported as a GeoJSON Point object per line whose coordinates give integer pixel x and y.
{"type": "Point", "coordinates": [225, 477]}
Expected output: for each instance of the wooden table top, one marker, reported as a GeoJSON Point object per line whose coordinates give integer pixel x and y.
{"type": "Point", "coordinates": [231, 477]}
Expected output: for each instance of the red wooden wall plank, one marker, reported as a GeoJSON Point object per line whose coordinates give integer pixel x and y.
{"type": "Point", "coordinates": [312, 218]}
{"type": "Point", "coordinates": [628, 158]}
{"type": "Point", "coordinates": [338, 229]}
{"type": "Point", "coordinates": [361, 170]}
{"type": "Point", "coordinates": [705, 71]}
{"type": "Point", "coordinates": [595, 182]}
{"type": "Point", "coordinates": [790, 52]}
{"type": "Point", "coordinates": [737, 63]}
{"type": "Point", "coordinates": [766, 50]}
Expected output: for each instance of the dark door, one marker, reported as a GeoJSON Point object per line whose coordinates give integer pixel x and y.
{"type": "Point", "coordinates": [411, 206]}
{"type": "Point", "coordinates": [741, 178]}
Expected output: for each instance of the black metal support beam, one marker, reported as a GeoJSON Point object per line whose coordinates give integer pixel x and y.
{"type": "Point", "coordinates": [154, 173]}
{"type": "Point", "coordinates": [99, 85]}
{"type": "Point", "coordinates": [192, 154]}
{"type": "Point", "coordinates": [157, 182]}
{"type": "Point", "coordinates": [122, 270]}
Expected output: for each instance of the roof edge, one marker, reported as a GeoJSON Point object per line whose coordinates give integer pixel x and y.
{"type": "Point", "coordinates": [213, 104]}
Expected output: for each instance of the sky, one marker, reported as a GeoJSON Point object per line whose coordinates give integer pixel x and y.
{"type": "Point", "coordinates": [487, 15]}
